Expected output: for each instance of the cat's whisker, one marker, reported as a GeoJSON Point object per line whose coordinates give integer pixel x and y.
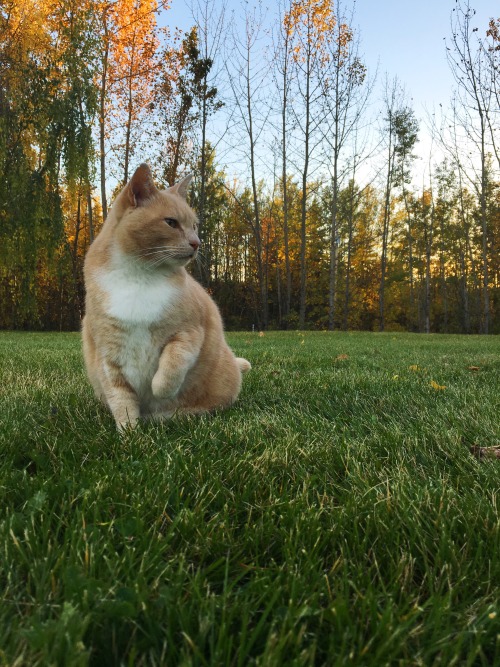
{"type": "Point", "coordinates": [201, 261]}
{"type": "Point", "coordinates": [163, 252]}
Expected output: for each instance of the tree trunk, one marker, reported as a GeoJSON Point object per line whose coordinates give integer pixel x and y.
{"type": "Point", "coordinates": [257, 221]}
{"type": "Point", "coordinates": [385, 234]}
{"type": "Point", "coordinates": [284, 140]}
{"type": "Point", "coordinates": [90, 215]}
{"type": "Point", "coordinates": [102, 119]}
{"type": "Point", "coordinates": [350, 232]}
{"type": "Point", "coordinates": [303, 202]}
{"type": "Point", "coordinates": [428, 237]}
{"type": "Point", "coordinates": [128, 131]}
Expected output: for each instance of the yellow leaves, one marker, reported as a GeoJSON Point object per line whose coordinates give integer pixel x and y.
{"type": "Point", "coordinates": [436, 386]}
{"type": "Point", "coordinates": [341, 357]}
{"type": "Point", "coordinates": [419, 370]}
{"type": "Point", "coordinates": [311, 23]}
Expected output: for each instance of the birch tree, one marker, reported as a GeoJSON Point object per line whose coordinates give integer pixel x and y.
{"type": "Point", "coordinates": [310, 24]}
{"type": "Point", "coordinates": [474, 113]}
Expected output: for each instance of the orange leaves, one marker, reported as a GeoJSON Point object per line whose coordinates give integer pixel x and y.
{"type": "Point", "coordinates": [311, 24]}
{"type": "Point", "coordinates": [133, 46]}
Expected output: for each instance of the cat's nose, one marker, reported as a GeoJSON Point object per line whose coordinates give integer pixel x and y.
{"type": "Point", "coordinates": [195, 243]}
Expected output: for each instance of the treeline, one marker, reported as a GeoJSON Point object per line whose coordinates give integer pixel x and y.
{"type": "Point", "coordinates": [321, 216]}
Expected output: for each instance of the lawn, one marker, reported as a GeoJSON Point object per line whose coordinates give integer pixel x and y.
{"type": "Point", "coordinates": [333, 516]}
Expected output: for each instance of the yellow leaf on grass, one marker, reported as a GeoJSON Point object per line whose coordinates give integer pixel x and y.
{"type": "Point", "coordinates": [261, 333]}
{"type": "Point", "coordinates": [436, 386]}
{"type": "Point", "coordinates": [341, 357]}
{"type": "Point", "coordinates": [414, 367]}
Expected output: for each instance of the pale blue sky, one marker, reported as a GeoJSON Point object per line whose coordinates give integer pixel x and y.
{"type": "Point", "coordinates": [407, 38]}
{"type": "Point", "coordinates": [403, 37]}
{"type": "Point", "coordinates": [400, 38]}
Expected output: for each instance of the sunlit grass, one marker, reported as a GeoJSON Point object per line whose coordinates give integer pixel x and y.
{"type": "Point", "coordinates": [333, 516]}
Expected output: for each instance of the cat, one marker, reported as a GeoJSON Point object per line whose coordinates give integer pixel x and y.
{"type": "Point", "coordinates": [153, 339]}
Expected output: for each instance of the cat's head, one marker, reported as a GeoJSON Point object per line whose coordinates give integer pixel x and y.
{"type": "Point", "coordinates": [156, 227]}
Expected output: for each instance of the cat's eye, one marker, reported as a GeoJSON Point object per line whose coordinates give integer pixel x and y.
{"type": "Point", "coordinates": [172, 222]}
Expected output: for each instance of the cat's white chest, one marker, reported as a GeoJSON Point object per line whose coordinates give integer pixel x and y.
{"type": "Point", "coordinates": [137, 299]}
{"type": "Point", "coordinates": [134, 296]}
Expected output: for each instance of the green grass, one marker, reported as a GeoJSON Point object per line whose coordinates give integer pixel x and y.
{"type": "Point", "coordinates": [333, 516]}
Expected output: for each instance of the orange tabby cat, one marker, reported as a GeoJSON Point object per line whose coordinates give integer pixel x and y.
{"type": "Point", "coordinates": [153, 340]}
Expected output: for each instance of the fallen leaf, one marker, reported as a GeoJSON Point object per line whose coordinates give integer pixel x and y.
{"type": "Point", "coordinates": [395, 377]}
{"type": "Point", "coordinates": [341, 357]}
{"type": "Point", "coordinates": [437, 387]}
{"type": "Point", "coordinates": [473, 368]}
{"type": "Point", "coordinates": [414, 367]}
{"type": "Point", "coordinates": [486, 452]}
{"type": "Point", "coordinates": [261, 333]}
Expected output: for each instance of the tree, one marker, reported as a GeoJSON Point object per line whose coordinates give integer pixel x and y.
{"type": "Point", "coordinates": [186, 101]}
{"type": "Point", "coordinates": [128, 42]}
{"type": "Point", "coordinates": [210, 25]}
{"type": "Point", "coordinates": [283, 60]}
{"type": "Point", "coordinates": [246, 84]}
{"type": "Point", "coordinates": [345, 102]}
{"type": "Point", "coordinates": [492, 52]}
{"type": "Point", "coordinates": [310, 23]}
{"type": "Point", "coordinates": [469, 66]}
{"type": "Point", "coordinates": [133, 67]}
{"type": "Point", "coordinates": [401, 135]}
{"type": "Point", "coordinates": [48, 104]}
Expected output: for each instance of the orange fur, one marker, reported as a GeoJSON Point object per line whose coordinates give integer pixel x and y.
{"type": "Point", "coordinates": [153, 339]}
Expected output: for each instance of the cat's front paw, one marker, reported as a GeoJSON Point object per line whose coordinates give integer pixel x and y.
{"type": "Point", "coordinates": [165, 387]}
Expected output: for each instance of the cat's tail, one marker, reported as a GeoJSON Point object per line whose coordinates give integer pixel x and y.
{"type": "Point", "coordinates": [243, 364]}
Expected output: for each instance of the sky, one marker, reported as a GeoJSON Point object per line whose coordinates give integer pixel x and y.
{"type": "Point", "coordinates": [404, 38]}
{"type": "Point", "coordinates": [398, 38]}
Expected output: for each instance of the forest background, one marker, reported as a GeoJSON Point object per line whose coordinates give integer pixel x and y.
{"type": "Point", "coordinates": [314, 210]}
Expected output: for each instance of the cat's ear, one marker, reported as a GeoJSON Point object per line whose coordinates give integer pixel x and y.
{"type": "Point", "coordinates": [181, 188]}
{"type": "Point", "coordinates": [141, 186]}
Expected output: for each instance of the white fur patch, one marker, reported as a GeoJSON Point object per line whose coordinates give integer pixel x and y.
{"type": "Point", "coordinates": [135, 296]}
{"type": "Point", "coordinates": [139, 359]}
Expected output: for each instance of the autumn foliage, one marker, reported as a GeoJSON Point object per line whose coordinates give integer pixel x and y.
{"type": "Point", "coordinates": [301, 237]}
